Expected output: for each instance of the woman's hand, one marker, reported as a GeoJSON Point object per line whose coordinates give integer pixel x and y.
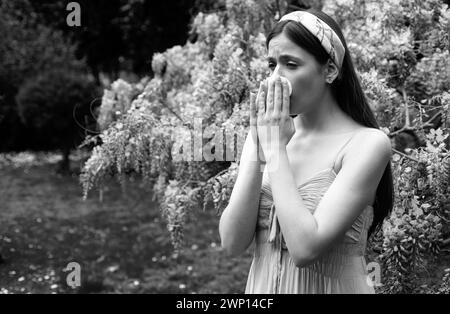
{"type": "Point", "coordinates": [274, 126]}
{"type": "Point", "coordinates": [255, 102]}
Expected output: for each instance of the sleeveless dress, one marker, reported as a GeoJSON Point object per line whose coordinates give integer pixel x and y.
{"type": "Point", "coordinates": [342, 269]}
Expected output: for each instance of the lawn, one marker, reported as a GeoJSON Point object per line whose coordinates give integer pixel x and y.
{"type": "Point", "coordinates": [121, 242]}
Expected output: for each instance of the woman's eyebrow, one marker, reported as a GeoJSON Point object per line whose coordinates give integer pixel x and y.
{"type": "Point", "coordinates": [284, 57]}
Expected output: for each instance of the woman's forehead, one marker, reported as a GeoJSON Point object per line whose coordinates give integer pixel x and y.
{"type": "Point", "coordinates": [281, 44]}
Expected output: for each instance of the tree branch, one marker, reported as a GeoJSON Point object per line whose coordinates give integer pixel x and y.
{"type": "Point", "coordinates": [278, 8]}
{"type": "Point", "coordinates": [165, 105]}
{"type": "Point", "coordinates": [428, 122]}
{"type": "Point", "coordinates": [404, 155]}
{"type": "Point", "coordinates": [405, 99]}
{"type": "Point", "coordinates": [415, 128]}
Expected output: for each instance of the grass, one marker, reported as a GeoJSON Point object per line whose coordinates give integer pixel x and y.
{"type": "Point", "coordinates": [121, 243]}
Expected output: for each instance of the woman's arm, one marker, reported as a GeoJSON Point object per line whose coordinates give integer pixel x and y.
{"type": "Point", "coordinates": [238, 221]}
{"type": "Point", "coordinates": [307, 235]}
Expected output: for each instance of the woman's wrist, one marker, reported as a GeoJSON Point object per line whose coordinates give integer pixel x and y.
{"type": "Point", "coordinates": [275, 154]}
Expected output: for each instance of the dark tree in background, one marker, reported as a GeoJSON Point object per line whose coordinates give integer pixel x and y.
{"type": "Point", "coordinates": [115, 37]}
{"type": "Point", "coordinates": [122, 35]}
{"type": "Point", "coordinates": [56, 104]}
{"type": "Point", "coordinates": [27, 48]}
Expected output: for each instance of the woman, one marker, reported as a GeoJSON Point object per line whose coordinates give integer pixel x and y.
{"type": "Point", "coordinates": [327, 181]}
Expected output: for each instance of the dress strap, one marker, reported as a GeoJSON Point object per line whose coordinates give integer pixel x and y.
{"type": "Point", "coordinates": [343, 146]}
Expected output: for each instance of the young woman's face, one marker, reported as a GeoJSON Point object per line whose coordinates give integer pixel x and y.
{"type": "Point", "coordinates": [287, 59]}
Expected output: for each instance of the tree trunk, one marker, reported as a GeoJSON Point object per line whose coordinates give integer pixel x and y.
{"type": "Point", "coordinates": [64, 166]}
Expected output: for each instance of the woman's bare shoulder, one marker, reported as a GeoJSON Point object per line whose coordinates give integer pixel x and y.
{"type": "Point", "coordinates": [372, 132]}
{"type": "Point", "coordinates": [370, 137]}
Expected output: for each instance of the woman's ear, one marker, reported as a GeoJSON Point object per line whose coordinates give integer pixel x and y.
{"type": "Point", "coordinates": [331, 71]}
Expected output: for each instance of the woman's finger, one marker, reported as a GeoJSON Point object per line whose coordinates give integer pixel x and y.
{"type": "Point", "coordinates": [261, 100]}
{"type": "Point", "coordinates": [286, 99]}
{"type": "Point", "coordinates": [277, 106]}
{"type": "Point", "coordinates": [252, 109]}
{"type": "Point", "coordinates": [270, 92]}
{"type": "Point", "coordinates": [253, 121]}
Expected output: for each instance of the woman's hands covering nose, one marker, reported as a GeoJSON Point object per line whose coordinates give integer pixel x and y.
{"type": "Point", "coordinates": [271, 126]}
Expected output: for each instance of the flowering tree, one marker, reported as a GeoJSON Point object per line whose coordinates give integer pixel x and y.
{"type": "Point", "coordinates": [401, 50]}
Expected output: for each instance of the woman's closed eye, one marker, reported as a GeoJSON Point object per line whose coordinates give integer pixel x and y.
{"type": "Point", "coordinates": [290, 65]}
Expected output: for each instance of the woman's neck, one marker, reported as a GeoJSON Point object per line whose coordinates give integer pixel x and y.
{"type": "Point", "coordinates": [327, 118]}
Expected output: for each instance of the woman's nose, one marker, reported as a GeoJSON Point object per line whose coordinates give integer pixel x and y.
{"type": "Point", "coordinates": [277, 71]}
{"type": "Point", "coordinates": [277, 74]}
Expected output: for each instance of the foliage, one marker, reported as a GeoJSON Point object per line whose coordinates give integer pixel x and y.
{"type": "Point", "coordinates": [445, 285]}
{"type": "Point", "coordinates": [25, 48]}
{"type": "Point", "coordinates": [28, 50]}
{"type": "Point", "coordinates": [55, 104]}
{"type": "Point", "coordinates": [415, 230]}
{"type": "Point", "coordinates": [394, 45]}
{"type": "Point", "coordinates": [120, 35]}
{"type": "Point", "coordinates": [401, 48]}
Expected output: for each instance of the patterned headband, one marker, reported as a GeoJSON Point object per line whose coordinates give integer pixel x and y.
{"type": "Point", "coordinates": [327, 37]}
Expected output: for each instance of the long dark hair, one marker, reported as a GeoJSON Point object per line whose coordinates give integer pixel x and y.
{"type": "Point", "coordinates": [347, 91]}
